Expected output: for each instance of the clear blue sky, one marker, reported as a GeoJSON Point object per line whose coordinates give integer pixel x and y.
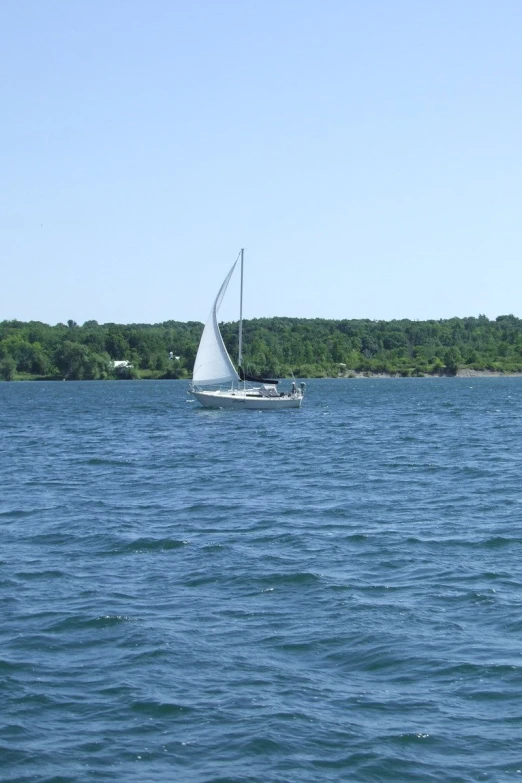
{"type": "Point", "coordinates": [368, 156]}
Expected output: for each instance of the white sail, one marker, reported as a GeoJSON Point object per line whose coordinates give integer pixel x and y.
{"type": "Point", "coordinates": [213, 364]}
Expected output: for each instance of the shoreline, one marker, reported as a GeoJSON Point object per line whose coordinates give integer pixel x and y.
{"type": "Point", "coordinates": [352, 376]}
{"type": "Point", "coordinates": [463, 373]}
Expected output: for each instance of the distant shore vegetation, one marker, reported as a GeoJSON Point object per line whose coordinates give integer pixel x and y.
{"type": "Point", "coordinates": [280, 347]}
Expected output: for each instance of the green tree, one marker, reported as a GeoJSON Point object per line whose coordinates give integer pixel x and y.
{"type": "Point", "coordinates": [7, 368]}
{"type": "Point", "coordinates": [76, 363]}
{"type": "Point", "coordinates": [128, 373]}
{"type": "Point", "coordinates": [115, 343]}
{"type": "Point", "coordinates": [452, 360]}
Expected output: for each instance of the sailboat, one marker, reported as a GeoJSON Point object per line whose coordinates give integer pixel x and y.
{"type": "Point", "coordinates": [215, 381]}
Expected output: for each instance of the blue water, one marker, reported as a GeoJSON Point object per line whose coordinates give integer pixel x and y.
{"type": "Point", "coordinates": [329, 594]}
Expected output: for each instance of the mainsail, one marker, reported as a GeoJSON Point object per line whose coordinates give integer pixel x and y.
{"type": "Point", "coordinates": [213, 365]}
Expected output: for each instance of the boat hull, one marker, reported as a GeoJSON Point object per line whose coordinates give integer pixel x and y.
{"type": "Point", "coordinates": [240, 400]}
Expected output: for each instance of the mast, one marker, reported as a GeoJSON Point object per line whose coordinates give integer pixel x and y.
{"type": "Point", "coordinates": [240, 351]}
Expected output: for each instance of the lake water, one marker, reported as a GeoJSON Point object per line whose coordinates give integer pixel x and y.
{"type": "Point", "coordinates": [327, 594]}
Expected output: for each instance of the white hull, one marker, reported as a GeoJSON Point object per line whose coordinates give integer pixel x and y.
{"type": "Point", "coordinates": [246, 400]}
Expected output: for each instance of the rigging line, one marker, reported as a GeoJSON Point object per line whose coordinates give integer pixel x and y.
{"type": "Point", "coordinates": [240, 350]}
{"type": "Point", "coordinates": [240, 346]}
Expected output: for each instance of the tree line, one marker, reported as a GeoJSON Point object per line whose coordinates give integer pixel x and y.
{"type": "Point", "coordinates": [278, 347]}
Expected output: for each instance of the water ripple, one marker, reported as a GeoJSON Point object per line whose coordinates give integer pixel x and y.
{"type": "Point", "coordinates": [215, 597]}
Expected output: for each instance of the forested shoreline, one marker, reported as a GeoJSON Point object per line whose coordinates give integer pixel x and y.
{"type": "Point", "coordinates": [281, 347]}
